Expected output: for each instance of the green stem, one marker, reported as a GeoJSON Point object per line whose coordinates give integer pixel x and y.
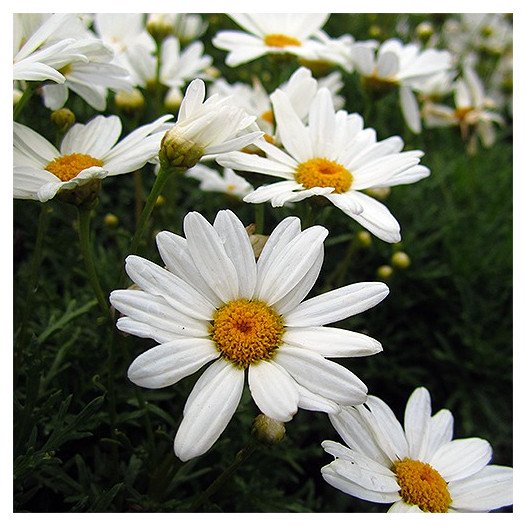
{"type": "Point", "coordinates": [84, 215]}
{"type": "Point", "coordinates": [339, 272]}
{"type": "Point", "coordinates": [158, 185]}
{"type": "Point", "coordinates": [260, 218]}
{"type": "Point", "coordinates": [241, 456]}
{"type": "Point", "coordinates": [28, 93]}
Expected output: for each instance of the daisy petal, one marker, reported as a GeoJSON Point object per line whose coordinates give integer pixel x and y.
{"type": "Point", "coordinates": [440, 432]}
{"type": "Point", "coordinates": [403, 507]}
{"type": "Point", "coordinates": [416, 422]}
{"type": "Point", "coordinates": [314, 402]}
{"type": "Point", "coordinates": [367, 474]}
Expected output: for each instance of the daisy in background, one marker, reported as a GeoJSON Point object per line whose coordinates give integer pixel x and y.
{"type": "Point", "coordinates": [212, 181]}
{"type": "Point", "coordinates": [88, 152]}
{"type": "Point", "coordinates": [417, 468]}
{"type": "Point", "coordinates": [184, 27]}
{"type": "Point", "coordinates": [213, 304]}
{"type": "Point", "coordinates": [332, 156]}
{"type": "Point", "coordinates": [403, 67]}
{"type": "Point", "coordinates": [270, 33]}
{"type": "Point", "coordinates": [472, 112]}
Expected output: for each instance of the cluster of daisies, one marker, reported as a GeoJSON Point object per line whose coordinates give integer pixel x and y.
{"type": "Point", "coordinates": [214, 303]}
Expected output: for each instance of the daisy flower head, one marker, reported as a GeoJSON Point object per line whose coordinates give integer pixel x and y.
{"type": "Point", "coordinates": [396, 65]}
{"type": "Point", "coordinates": [205, 129]}
{"type": "Point", "coordinates": [270, 33]}
{"type": "Point", "coordinates": [417, 468]}
{"type": "Point", "coordinates": [229, 183]}
{"type": "Point", "coordinates": [214, 304]}
{"type": "Point", "coordinates": [185, 27]}
{"type": "Point", "coordinates": [331, 156]}
{"type": "Point", "coordinates": [88, 153]}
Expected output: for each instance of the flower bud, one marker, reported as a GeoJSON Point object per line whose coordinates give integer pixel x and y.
{"type": "Point", "coordinates": [179, 152]}
{"type": "Point", "coordinates": [63, 119]}
{"type": "Point", "coordinates": [384, 272]}
{"type": "Point", "coordinates": [160, 201]}
{"type": "Point", "coordinates": [363, 238]}
{"type": "Point", "coordinates": [378, 193]}
{"type": "Point", "coordinates": [400, 260]}
{"type": "Point", "coordinates": [268, 430]}
{"type": "Point", "coordinates": [111, 220]}
{"type": "Point", "coordinates": [424, 31]}
{"type": "Point", "coordinates": [129, 101]}
{"type": "Point", "coordinates": [159, 25]}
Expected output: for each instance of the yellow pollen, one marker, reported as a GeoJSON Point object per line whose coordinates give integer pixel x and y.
{"type": "Point", "coordinates": [422, 486]}
{"type": "Point", "coordinates": [69, 166]}
{"type": "Point", "coordinates": [267, 116]}
{"type": "Point", "coordinates": [246, 331]}
{"type": "Point", "coordinates": [269, 138]}
{"type": "Point", "coordinates": [278, 40]}
{"type": "Point", "coordinates": [461, 113]}
{"type": "Point", "coordinates": [323, 172]}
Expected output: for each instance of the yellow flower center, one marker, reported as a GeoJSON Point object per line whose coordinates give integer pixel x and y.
{"type": "Point", "coordinates": [246, 331]}
{"type": "Point", "coordinates": [462, 113]}
{"type": "Point", "coordinates": [69, 166]}
{"type": "Point", "coordinates": [267, 116]}
{"type": "Point", "coordinates": [422, 486]}
{"type": "Point", "coordinates": [323, 172]}
{"type": "Point", "coordinates": [278, 40]}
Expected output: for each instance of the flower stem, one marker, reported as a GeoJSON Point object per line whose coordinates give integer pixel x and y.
{"type": "Point", "coordinates": [28, 93]}
{"type": "Point", "coordinates": [84, 215]}
{"type": "Point", "coordinates": [260, 218]}
{"type": "Point", "coordinates": [158, 185]}
{"type": "Point", "coordinates": [241, 456]}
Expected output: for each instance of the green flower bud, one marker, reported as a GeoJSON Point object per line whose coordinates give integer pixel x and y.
{"type": "Point", "coordinates": [384, 272]}
{"type": "Point", "coordinates": [63, 119]}
{"type": "Point", "coordinates": [268, 430]}
{"type": "Point", "coordinates": [400, 260]}
{"type": "Point", "coordinates": [179, 152]}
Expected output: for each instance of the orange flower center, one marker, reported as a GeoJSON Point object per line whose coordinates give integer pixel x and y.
{"type": "Point", "coordinates": [69, 166]}
{"type": "Point", "coordinates": [422, 486]}
{"type": "Point", "coordinates": [461, 113]}
{"type": "Point", "coordinates": [246, 331]}
{"type": "Point", "coordinates": [267, 116]}
{"type": "Point", "coordinates": [325, 173]}
{"type": "Point", "coordinates": [278, 40]}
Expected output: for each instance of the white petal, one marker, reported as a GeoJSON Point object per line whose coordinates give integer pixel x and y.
{"type": "Point", "coordinates": [168, 363]}
{"type": "Point", "coordinates": [410, 109]}
{"type": "Point", "coordinates": [367, 474]}
{"type": "Point", "coordinates": [388, 64]}
{"type": "Point", "coordinates": [461, 458]}
{"type": "Point", "coordinates": [440, 432]}
{"type": "Point", "coordinates": [417, 421]}
{"type": "Point", "coordinates": [27, 181]}
{"type": "Point", "coordinates": [273, 390]}
{"type": "Point", "coordinates": [33, 145]}
{"type": "Point", "coordinates": [210, 257]}
{"type": "Point", "coordinates": [403, 507]}
{"type": "Point", "coordinates": [331, 342]}
{"type": "Point", "coordinates": [489, 489]}
{"type": "Point", "coordinates": [337, 304]}
{"type": "Point", "coordinates": [239, 249]}
{"type": "Point", "coordinates": [209, 408]}
{"type": "Point", "coordinates": [321, 376]}
{"type": "Point", "coordinates": [315, 402]}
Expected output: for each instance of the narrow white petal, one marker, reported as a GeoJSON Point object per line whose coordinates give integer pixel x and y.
{"type": "Point", "coordinates": [337, 304]}
{"type": "Point", "coordinates": [410, 109]}
{"type": "Point", "coordinates": [273, 390]}
{"type": "Point", "coordinates": [365, 474]}
{"type": "Point", "coordinates": [440, 433]}
{"type": "Point", "coordinates": [169, 362]}
{"type": "Point", "coordinates": [315, 402]}
{"type": "Point", "coordinates": [403, 507]}
{"type": "Point", "coordinates": [209, 408]}
{"type": "Point", "coordinates": [33, 145]}
{"type": "Point", "coordinates": [417, 422]}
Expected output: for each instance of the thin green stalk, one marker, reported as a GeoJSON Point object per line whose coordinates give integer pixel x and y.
{"type": "Point", "coordinates": [336, 277]}
{"type": "Point", "coordinates": [84, 215]}
{"type": "Point", "coordinates": [260, 218]}
{"type": "Point", "coordinates": [158, 185]}
{"type": "Point", "coordinates": [28, 93]}
{"type": "Point", "coordinates": [241, 456]}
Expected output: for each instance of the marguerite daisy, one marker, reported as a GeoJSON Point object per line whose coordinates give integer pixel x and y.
{"type": "Point", "coordinates": [419, 468]}
{"type": "Point", "coordinates": [270, 33]}
{"type": "Point", "coordinates": [214, 303]}
{"type": "Point", "coordinates": [332, 156]}
{"type": "Point", "coordinates": [87, 152]}
{"type": "Point", "coordinates": [211, 181]}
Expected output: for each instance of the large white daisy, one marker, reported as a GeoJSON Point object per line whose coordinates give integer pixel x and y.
{"type": "Point", "coordinates": [332, 156]}
{"type": "Point", "coordinates": [88, 151]}
{"type": "Point", "coordinates": [416, 468]}
{"type": "Point", "coordinates": [214, 303]}
{"type": "Point", "coordinates": [270, 33]}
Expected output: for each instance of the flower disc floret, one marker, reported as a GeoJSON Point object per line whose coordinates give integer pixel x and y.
{"type": "Point", "coordinates": [247, 331]}
{"type": "Point", "coordinates": [421, 485]}
{"type": "Point", "coordinates": [279, 40]}
{"type": "Point", "coordinates": [321, 172]}
{"type": "Point", "coordinates": [69, 166]}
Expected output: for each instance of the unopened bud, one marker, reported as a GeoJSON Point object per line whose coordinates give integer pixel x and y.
{"type": "Point", "coordinates": [111, 220]}
{"type": "Point", "coordinates": [173, 100]}
{"type": "Point", "coordinates": [159, 26]}
{"type": "Point", "coordinates": [129, 101]}
{"type": "Point", "coordinates": [424, 31]}
{"type": "Point", "coordinates": [268, 430]}
{"type": "Point", "coordinates": [160, 201]}
{"type": "Point", "coordinates": [63, 119]}
{"type": "Point", "coordinates": [378, 193]}
{"type": "Point", "coordinates": [212, 71]}
{"type": "Point", "coordinates": [384, 272]}
{"type": "Point", "coordinates": [375, 31]}
{"type": "Point", "coordinates": [179, 152]}
{"type": "Point", "coordinates": [400, 260]}
{"type": "Point", "coordinates": [363, 238]}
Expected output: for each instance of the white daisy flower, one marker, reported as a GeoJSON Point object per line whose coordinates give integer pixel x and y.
{"type": "Point", "coordinates": [87, 152]}
{"type": "Point", "coordinates": [332, 156]}
{"type": "Point", "coordinates": [214, 303]}
{"type": "Point", "coordinates": [229, 183]}
{"type": "Point", "coordinates": [472, 110]}
{"type": "Point", "coordinates": [206, 128]}
{"type": "Point", "coordinates": [183, 26]}
{"type": "Point", "coordinates": [270, 33]}
{"type": "Point", "coordinates": [403, 66]}
{"type": "Point", "coordinates": [418, 468]}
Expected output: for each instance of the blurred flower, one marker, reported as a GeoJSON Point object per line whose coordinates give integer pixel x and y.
{"type": "Point", "coordinates": [400, 66]}
{"type": "Point", "coordinates": [214, 303]}
{"type": "Point", "coordinates": [268, 33]}
{"type": "Point", "coordinates": [384, 272]}
{"type": "Point", "coordinates": [400, 260]}
{"type": "Point", "coordinates": [204, 129]}
{"type": "Point", "coordinates": [332, 156]}
{"type": "Point", "coordinates": [183, 26]}
{"type": "Point", "coordinates": [229, 183]}
{"type": "Point", "coordinates": [418, 468]}
{"type": "Point", "coordinates": [88, 152]}
{"type": "Point", "coordinates": [471, 112]}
